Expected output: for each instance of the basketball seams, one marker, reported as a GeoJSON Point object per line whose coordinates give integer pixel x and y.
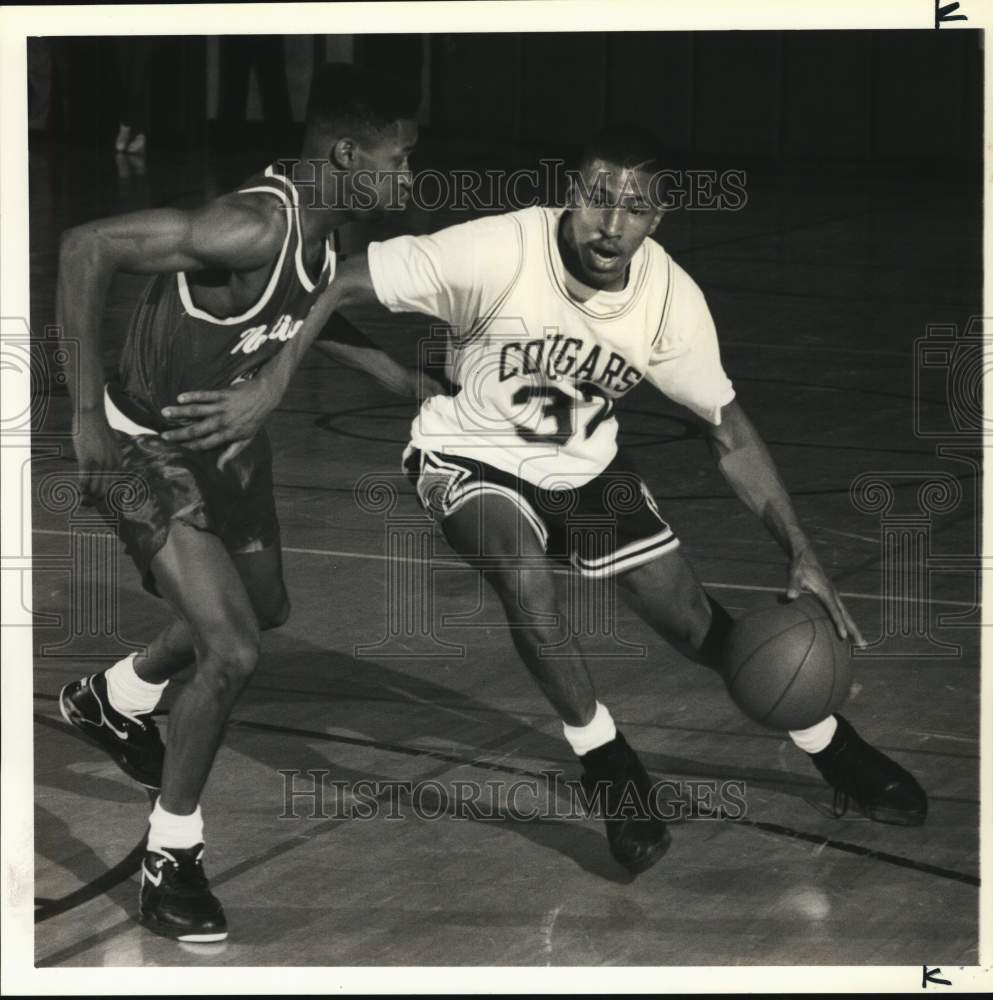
{"type": "Point", "coordinates": [844, 667]}
{"type": "Point", "coordinates": [805, 620]}
{"type": "Point", "coordinates": [834, 677]}
{"type": "Point", "coordinates": [758, 649]}
{"type": "Point", "coordinates": [752, 691]}
{"type": "Point", "coordinates": [799, 669]}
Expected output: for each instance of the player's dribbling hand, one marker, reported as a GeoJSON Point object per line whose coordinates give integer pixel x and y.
{"type": "Point", "coordinates": [806, 573]}
{"type": "Point", "coordinates": [231, 416]}
{"type": "Point", "coordinates": [97, 455]}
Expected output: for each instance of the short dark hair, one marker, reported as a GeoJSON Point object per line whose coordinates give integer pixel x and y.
{"type": "Point", "coordinates": [346, 98]}
{"type": "Point", "coordinates": [626, 145]}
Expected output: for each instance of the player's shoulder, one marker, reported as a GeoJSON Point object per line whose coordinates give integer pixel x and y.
{"type": "Point", "coordinates": [535, 216]}
{"type": "Point", "coordinates": [503, 227]}
{"type": "Point", "coordinates": [261, 202]}
{"type": "Point", "coordinates": [685, 314]}
{"type": "Point", "coordinates": [665, 269]}
{"type": "Point", "coordinates": [253, 220]}
{"type": "Point", "coordinates": [657, 260]}
{"type": "Point", "coordinates": [489, 245]}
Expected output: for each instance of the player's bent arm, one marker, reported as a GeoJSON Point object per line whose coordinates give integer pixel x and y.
{"type": "Point", "coordinates": [235, 414]}
{"type": "Point", "coordinates": [79, 293]}
{"type": "Point", "coordinates": [230, 233]}
{"type": "Point", "coordinates": [746, 464]}
{"type": "Point", "coordinates": [235, 232]}
{"type": "Point", "coordinates": [227, 233]}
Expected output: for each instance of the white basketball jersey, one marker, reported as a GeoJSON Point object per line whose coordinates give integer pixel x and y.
{"type": "Point", "coordinates": [539, 357]}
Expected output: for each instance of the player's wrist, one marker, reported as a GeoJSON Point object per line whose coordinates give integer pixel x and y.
{"type": "Point", "coordinates": [798, 546]}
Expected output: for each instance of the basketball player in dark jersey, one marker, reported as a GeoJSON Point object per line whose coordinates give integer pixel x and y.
{"type": "Point", "coordinates": [232, 284]}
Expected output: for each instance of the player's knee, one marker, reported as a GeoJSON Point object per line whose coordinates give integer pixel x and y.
{"type": "Point", "coordinates": [690, 616]}
{"type": "Point", "coordinates": [695, 606]}
{"type": "Point", "coordinates": [230, 662]}
{"type": "Point", "coordinates": [710, 649]}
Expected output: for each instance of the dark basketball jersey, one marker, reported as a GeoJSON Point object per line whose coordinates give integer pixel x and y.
{"type": "Point", "coordinates": [174, 345]}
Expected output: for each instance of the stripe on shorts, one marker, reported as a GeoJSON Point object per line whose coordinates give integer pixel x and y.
{"type": "Point", "coordinates": [121, 421]}
{"type": "Point", "coordinates": [456, 495]}
{"type": "Point", "coordinates": [631, 555]}
{"type": "Point", "coordinates": [650, 500]}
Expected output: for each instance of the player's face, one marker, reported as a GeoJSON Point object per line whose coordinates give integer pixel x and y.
{"type": "Point", "coordinates": [383, 175]}
{"type": "Point", "coordinates": [611, 215]}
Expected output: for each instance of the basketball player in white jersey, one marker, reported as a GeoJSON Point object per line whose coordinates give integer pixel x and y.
{"type": "Point", "coordinates": [554, 315]}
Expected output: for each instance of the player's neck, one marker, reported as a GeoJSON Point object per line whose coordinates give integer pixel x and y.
{"type": "Point", "coordinates": [318, 223]}
{"type": "Point", "coordinates": [319, 214]}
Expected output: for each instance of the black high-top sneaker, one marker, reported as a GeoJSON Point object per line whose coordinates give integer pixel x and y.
{"type": "Point", "coordinates": [132, 740]}
{"type": "Point", "coordinates": [175, 899]}
{"type": "Point", "coordinates": [616, 782]}
{"type": "Point", "coordinates": [878, 786]}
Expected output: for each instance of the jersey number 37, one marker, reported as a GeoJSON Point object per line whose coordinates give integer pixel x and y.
{"type": "Point", "coordinates": [560, 408]}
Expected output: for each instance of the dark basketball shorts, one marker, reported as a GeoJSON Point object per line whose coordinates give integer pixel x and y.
{"type": "Point", "coordinates": [164, 482]}
{"type": "Point", "coordinates": [604, 527]}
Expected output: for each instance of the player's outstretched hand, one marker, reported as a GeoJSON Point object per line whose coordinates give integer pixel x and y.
{"type": "Point", "coordinates": [97, 455]}
{"type": "Point", "coordinates": [221, 416]}
{"type": "Point", "coordinates": [806, 573]}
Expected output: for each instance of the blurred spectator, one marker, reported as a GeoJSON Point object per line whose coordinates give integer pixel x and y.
{"type": "Point", "coordinates": [239, 55]}
{"type": "Point", "coordinates": [134, 55]}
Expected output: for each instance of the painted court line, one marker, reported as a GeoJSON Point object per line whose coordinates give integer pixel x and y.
{"type": "Point", "coordinates": [457, 563]}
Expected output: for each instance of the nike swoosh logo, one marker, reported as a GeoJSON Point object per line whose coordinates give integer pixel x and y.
{"type": "Point", "coordinates": [120, 734]}
{"type": "Point", "coordinates": [154, 879]}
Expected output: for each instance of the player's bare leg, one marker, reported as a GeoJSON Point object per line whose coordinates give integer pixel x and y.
{"type": "Point", "coordinates": [114, 708]}
{"type": "Point", "coordinates": [198, 578]}
{"type": "Point", "coordinates": [201, 582]}
{"type": "Point", "coordinates": [261, 571]}
{"type": "Point", "coordinates": [169, 653]}
{"type": "Point", "coordinates": [491, 530]}
{"type": "Point", "coordinates": [667, 594]}
{"type": "Point", "coordinates": [516, 567]}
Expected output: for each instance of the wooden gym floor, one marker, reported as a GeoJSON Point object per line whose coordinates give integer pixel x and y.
{"type": "Point", "coordinates": [820, 288]}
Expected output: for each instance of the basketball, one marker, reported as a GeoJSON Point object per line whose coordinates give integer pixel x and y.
{"type": "Point", "coordinates": [785, 666]}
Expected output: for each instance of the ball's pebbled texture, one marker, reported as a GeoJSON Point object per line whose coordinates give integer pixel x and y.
{"type": "Point", "coordinates": [785, 666]}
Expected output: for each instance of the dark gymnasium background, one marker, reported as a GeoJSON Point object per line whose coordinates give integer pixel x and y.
{"type": "Point", "coordinates": [831, 211]}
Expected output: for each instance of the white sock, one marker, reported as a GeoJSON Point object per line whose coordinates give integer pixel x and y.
{"type": "Point", "coordinates": [128, 693]}
{"type": "Point", "coordinates": [166, 829]}
{"type": "Point", "coordinates": [816, 738]}
{"type": "Point", "coordinates": [599, 730]}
